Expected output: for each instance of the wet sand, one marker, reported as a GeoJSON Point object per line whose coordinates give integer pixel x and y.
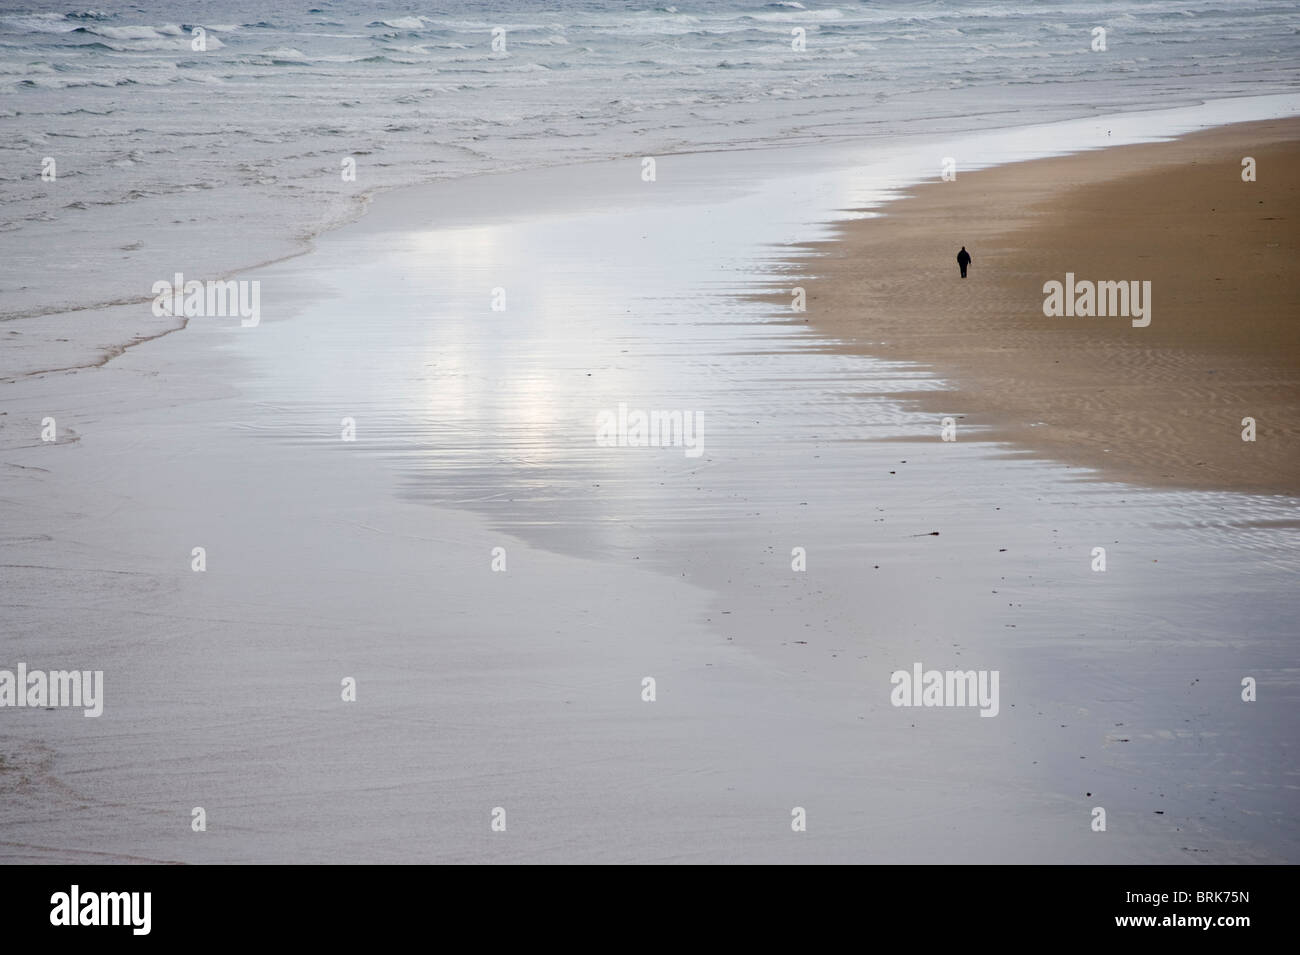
{"type": "Point", "coordinates": [522, 687]}
{"type": "Point", "coordinates": [1157, 405]}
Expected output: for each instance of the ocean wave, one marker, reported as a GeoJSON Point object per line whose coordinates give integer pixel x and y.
{"type": "Point", "coordinates": [145, 44]}
{"type": "Point", "coordinates": [38, 23]}
{"type": "Point", "coordinates": [278, 56]}
{"type": "Point", "coordinates": [56, 83]}
{"type": "Point", "coordinates": [676, 25]}
{"type": "Point", "coordinates": [388, 58]}
{"type": "Point", "coordinates": [25, 69]}
{"type": "Point", "coordinates": [400, 23]}
{"type": "Point", "coordinates": [800, 15]}
{"type": "Point", "coordinates": [135, 32]}
{"type": "Point", "coordinates": [505, 67]}
{"type": "Point", "coordinates": [102, 82]}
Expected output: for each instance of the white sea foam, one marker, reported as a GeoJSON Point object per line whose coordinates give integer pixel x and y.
{"type": "Point", "coordinates": [402, 23]}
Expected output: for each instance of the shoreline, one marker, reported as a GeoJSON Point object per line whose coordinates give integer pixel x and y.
{"type": "Point", "coordinates": [47, 324]}
{"type": "Point", "coordinates": [1160, 405]}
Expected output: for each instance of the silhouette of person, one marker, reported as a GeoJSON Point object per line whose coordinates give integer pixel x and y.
{"type": "Point", "coordinates": [963, 259]}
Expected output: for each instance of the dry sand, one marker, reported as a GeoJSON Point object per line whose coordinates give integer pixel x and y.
{"type": "Point", "coordinates": [1157, 405]}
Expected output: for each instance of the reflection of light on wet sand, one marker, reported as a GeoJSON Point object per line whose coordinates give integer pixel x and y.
{"type": "Point", "coordinates": [502, 381]}
{"type": "Point", "coordinates": [643, 303]}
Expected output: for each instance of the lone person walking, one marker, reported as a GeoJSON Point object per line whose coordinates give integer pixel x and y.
{"type": "Point", "coordinates": [963, 260]}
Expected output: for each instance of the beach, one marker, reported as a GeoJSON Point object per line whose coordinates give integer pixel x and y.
{"type": "Point", "coordinates": [396, 483]}
{"type": "Point", "coordinates": [1163, 403]}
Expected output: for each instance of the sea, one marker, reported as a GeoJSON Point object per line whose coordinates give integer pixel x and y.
{"type": "Point", "coordinates": [221, 135]}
